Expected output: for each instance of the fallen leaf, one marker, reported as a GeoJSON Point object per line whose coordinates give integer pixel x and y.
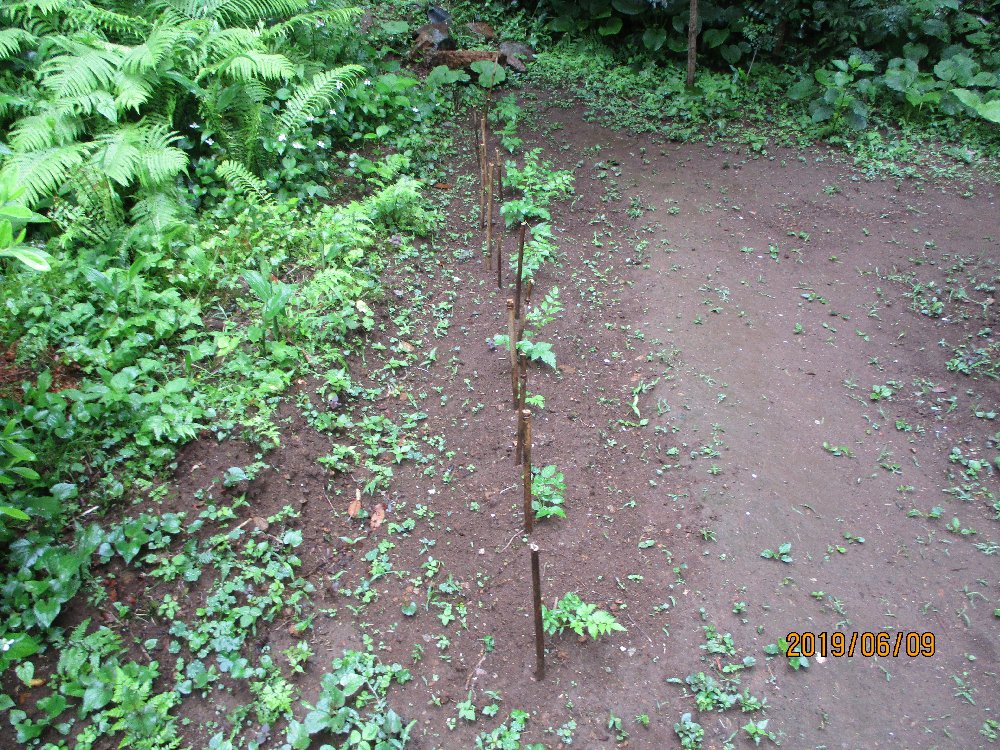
{"type": "Point", "coordinates": [442, 185]}
{"type": "Point", "coordinates": [378, 515]}
{"type": "Point", "coordinates": [939, 389]}
{"type": "Point", "coordinates": [355, 507]}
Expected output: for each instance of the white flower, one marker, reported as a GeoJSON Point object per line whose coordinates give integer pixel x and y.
{"type": "Point", "coordinates": [415, 110]}
{"type": "Point", "coordinates": [194, 125]}
{"type": "Point", "coordinates": [5, 644]}
{"type": "Point", "coordinates": [332, 112]}
{"type": "Point", "coordinates": [339, 85]}
{"type": "Point", "coordinates": [282, 138]}
{"type": "Point", "coordinates": [296, 144]}
{"type": "Point", "coordinates": [368, 82]}
{"type": "Point", "coordinates": [209, 142]}
{"type": "Point", "coordinates": [320, 144]}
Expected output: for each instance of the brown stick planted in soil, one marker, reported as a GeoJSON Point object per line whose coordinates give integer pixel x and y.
{"type": "Point", "coordinates": [522, 392]}
{"type": "Point", "coordinates": [482, 173]}
{"type": "Point", "coordinates": [489, 216]}
{"type": "Point", "coordinates": [536, 603]}
{"type": "Point", "coordinates": [513, 349]}
{"type": "Point", "coordinates": [529, 513]}
{"type": "Point", "coordinates": [520, 266]}
{"type": "Point", "coordinates": [499, 174]}
{"type": "Point", "coordinates": [500, 233]}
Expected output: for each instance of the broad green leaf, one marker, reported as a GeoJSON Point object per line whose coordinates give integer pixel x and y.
{"type": "Point", "coordinates": [630, 7]}
{"type": "Point", "coordinates": [610, 27]}
{"type": "Point", "coordinates": [37, 260]}
{"type": "Point", "coordinates": [653, 38]}
{"type": "Point", "coordinates": [490, 73]}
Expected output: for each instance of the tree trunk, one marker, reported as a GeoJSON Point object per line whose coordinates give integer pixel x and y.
{"type": "Point", "coordinates": [692, 41]}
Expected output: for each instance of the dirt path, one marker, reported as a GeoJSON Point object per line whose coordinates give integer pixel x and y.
{"type": "Point", "coordinates": [697, 385]}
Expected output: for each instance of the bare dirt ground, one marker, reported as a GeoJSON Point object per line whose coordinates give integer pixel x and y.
{"type": "Point", "coordinates": [726, 315]}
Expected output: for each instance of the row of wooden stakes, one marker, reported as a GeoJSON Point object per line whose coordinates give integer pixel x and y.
{"type": "Point", "coordinates": [491, 180]}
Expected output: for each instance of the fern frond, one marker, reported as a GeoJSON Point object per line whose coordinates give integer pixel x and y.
{"type": "Point", "coordinates": [11, 41]}
{"type": "Point", "coordinates": [238, 11]}
{"type": "Point", "coordinates": [159, 159]}
{"type": "Point", "coordinates": [244, 182]}
{"type": "Point", "coordinates": [133, 90]}
{"type": "Point", "coordinates": [157, 213]}
{"type": "Point", "coordinates": [227, 43]}
{"type": "Point", "coordinates": [316, 95]}
{"type": "Point", "coordinates": [251, 64]}
{"type": "Point", "coordinates": [93, 214]}
{"type": "Point", "coordinates": [118, 153]}
{"type": "Point", "coordinates": [146, 57]}
{"type": "Point", "coordinates": [86, 16]}
{"type": "Point", "coordinates": [48, 128]}
{"type": "Point", "coordinates": [81, 70]}
{"type": "Point", "coordinates": [42, 172]}
{"type": "Point", "coordinates": [336, 18]}
{"type": "Point", "coordinates": [10, 102]}
{"type": "Point", "coordinates": [74, 15]}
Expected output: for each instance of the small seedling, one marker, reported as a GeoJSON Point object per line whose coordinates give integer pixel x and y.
{"type": "Point", "coordinates": [782, 553]}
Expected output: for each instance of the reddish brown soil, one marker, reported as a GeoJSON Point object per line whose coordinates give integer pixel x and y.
{"type": "Point", "coordinates": [724, 320]}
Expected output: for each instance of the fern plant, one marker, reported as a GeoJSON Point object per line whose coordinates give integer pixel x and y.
{"type": "Point", "coordinates": [94, 125]}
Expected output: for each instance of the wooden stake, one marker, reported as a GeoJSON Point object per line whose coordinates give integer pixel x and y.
{"type": "Point", "coordinates": [500, 234]}
{"type": "Point", "coordinates": [520, 266]}
{"type": "Point", "coordinates": [511, 328]}
{"type": "Point", "coordinates": [522, 393]}
{"type": "Point", "coordinates": [529, 513]}
{"type": "Point", "coordinates": [499, 174]}
{"type": "Point", "coordinates": [536, 596]}
{"type": "Point", "coordinates": [475, 141]}
{"type": "Point", "coordinates": [527, 292]}
{"type": "Point", "coordinates": [489, 215]}
{"type": "Point", "coordinates": [482, 172]}
{"type": "Point", "coordinates": [519, 442]}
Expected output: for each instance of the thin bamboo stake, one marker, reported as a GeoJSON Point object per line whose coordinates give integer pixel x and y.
{"type": "Point", "coordinates": [522, 393]}
{"type": "Point", "coordinates": [482, 172]}
{"type": "Point", "coordinates": [536, 601]}
{"type": "Point", "coordinates": [513, 349]}
{"type": "Point", "coordinates": [499, 249]}
{"type": "Point", "coordinates": [519, 442]}
{"type": "Point", "coordinates": [499, 173]}
{"type": "Point", "coordinates": [529, 513]}
{"type": "Point", "coordinates": [520, 267]}
{"type": "Point", "coordinates": [489, 216]}
{"type": "Point", "coordinates": [476, 142]}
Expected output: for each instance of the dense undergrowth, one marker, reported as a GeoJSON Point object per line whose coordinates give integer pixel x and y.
{"type": "Point", "coordinates": [197, 201]}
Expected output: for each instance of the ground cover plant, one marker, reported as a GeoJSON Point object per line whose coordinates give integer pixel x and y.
{"type": "Point", "coordinates": [256, 477]}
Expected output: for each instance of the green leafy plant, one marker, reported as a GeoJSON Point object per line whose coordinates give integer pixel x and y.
{"type": "Point", "coordinates": [548, 487]}
{"type": "Point", "coordinates": [689, 732]}
{"type": "Point", "coordinates": [781, 649]}
{"type": "Point", "coordinates": [579, 616]}
{"type": "Point", "coordinates": [844, 93]}
{"type": "Point", "coordinates": [757, 731]}
{"type": "Point", "coordinates": [782, 553]}
{"type": "Point", "coordinates": [352, 704]}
